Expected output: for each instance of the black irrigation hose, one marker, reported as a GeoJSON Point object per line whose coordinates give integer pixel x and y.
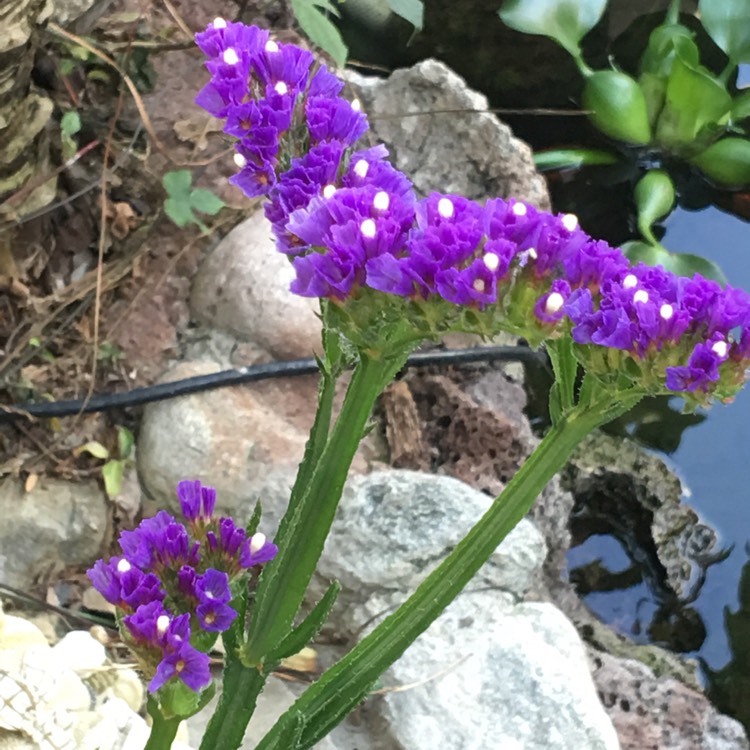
{"type": "Point", "coordinates": [289, 368]}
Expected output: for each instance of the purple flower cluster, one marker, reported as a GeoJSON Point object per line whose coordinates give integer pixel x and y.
{"type": "Point", "coordinates": [173, 582]}
{"type": "Point", "coordinates": [352, 226]}
{"type": "Point", "coordinates": [268, 91]}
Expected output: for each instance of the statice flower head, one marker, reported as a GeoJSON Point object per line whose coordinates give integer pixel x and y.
{"type": "Point", "coordinates": [392, 269]}
{"type": "Point", "coordinates": [173, 585]}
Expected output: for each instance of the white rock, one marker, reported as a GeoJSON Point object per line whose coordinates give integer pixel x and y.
{"type": "Point", "coordinates": [243, 288]}
{"type": "Point", "coordinates": [80, 652]}
{"type": "Point", "coordinates": [502, 678]}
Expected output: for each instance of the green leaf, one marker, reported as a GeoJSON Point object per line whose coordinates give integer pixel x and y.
{"type": "Point", "coordinates": [694, 100]}
{"type": "Point", "coordinates": [95, 448]}
{"type": "Point", "coordinates": [254, 522]}
{"type": "Point", "coordinates": [125, 441]}
{"type": "Point", "coordinates": [728, 24]}
{"type": "Point", "coordinates": [663, 44]}
{"type": "Point", "coordinates": [741, 106]}
{"type": "Point", "coordinates": [206, 202]}
{"type": "Point", "coordinates": [320, 29]}
{"type": "Point", "coordinates": [113, 473]}
{"type": "Point", "coordinates": [573, 158]}
{"type": "Point", "coordinates": [70, 123]}
{"type": "Point", "coordinates": [654, 197]}
{"type": "Point", "coordinates": [727, 162]}
{"type": "Point", "coordinates": [565, 21]}
{"type": "Point", "coordinates": [178, 209]}
{"type": "Point", "coordinates": [410, 10]}
{"type": "Point", "coordinates": [683, 264]}
{"type": "Point", "coordinates": [308, 628]}
{"type": "Point", "coordinates": [617, 106]}
{"type": "Point", "coordinates": [178, 182]}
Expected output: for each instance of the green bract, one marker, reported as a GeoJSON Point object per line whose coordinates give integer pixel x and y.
{"type": "Point", "coordinates": [618, 107]}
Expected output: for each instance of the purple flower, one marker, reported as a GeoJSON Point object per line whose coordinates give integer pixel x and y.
{"type": "Point", "coordinates": [213, 585]}
{"type": "Point", "coordinates": [140, 544]}
{"type": "Point", "coordinates": [125, 585]}
{"type": "Point", "coordinates": [702, 368]}
{"type": "Point", "coordinates": [186, 663]}
{"type": "Point", "coordinates": [257, 550]}
{"type": "Point", "coordinates": [283, 68]}
{"type": "Point", "coordinates": [550, 307]}
{"type": "Point", "coordinates": [143, 623]}
{"type": "Point", "coordinates": [196, 500]}
{"type": "Point", "coordinates": [334, 120]}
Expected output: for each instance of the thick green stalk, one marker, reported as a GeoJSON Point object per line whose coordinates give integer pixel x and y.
{"type": "Point", "coordinates": [163, 731]}
{"type": "Point", "coordinates": [303, 533]}
{"type": "Point", "coordinates": [240, 690]}
{"type": "Point", "coordinates": [325, 703]}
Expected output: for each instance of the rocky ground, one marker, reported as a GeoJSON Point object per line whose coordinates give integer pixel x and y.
{"type": "Point", "coordinates": [515, 662]}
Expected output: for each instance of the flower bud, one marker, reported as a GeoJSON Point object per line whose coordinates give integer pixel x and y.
{"type": "Point", "coordinates": [618, 107]}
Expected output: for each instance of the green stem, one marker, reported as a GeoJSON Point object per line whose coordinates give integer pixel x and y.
{"type": "Point", "coordinates": [240, 690]}
{"type": "Point", "coordinates": [673, 13]}
{"type": "Point", "coordinates": [305, 527]}
{"type": "Point", "coordinates": [727, 72]}
{"type": "Point", "coordinates": [326, 702]}
{"type": "Point", "coordinates": [163, 730]}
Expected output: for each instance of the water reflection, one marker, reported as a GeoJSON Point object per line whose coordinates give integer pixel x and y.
{"type": "Point", "coordinates": [729, 687]}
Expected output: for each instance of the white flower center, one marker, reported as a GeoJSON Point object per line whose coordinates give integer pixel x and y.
{"type": "Point", "coordinates": [630, 281]}
{"type": "Point", "coordinates": [361, 168]}
{"type": "Point", "coordinates": [640, 296]}
{"type": "Point", "coordinates": [281, 88]}
{"type": "Point", "coordinates": [720, 348]}
{"type": "Point", "coordinates": [256, 542]}
{"type": "Point", "coordinates": [123, 566]}
{"type": "Point", "coordinates": [240, 160]}
{"type": "Point", "coordinates": [382, 200]}
{"type": "Point", "coordinates": [230, 57]}
{"type": "Point", "coordinates": [492, 261]}
{"type": "Point", "coordinates": [479, 285]}
{"type": "Point", "coordinates": [329, 191]}
{"type": "Point", "coordinates": [554, 303]}
{"type": "Point", "coordinates": [368, 228]}
{"type": "Point", "coordinates": [219, 23]}
{"type": "Point", "coordinates": [271, 46]}
{"type": "Point", "coordinates": [519, 209]}
{"type": "Point", "coordinates": [445, 208]}
{"type": "Point", "coordinates": [532, 253]}
{"type": "Point", "coordinates": [666, 311]}
{"type": "Point", "coordinates": [162, 624]}
{"type": "Point", "coordinates": [356, 105]}
{"type": "Point", "coordinates": [569, 221]}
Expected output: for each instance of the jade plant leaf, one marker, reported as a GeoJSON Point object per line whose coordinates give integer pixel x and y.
{"type": "Point", "coordinates": [694, 99]}
{"type": "Point", "coordinates": [311, 16]}
{"type": "Point", "coordinates": [565, 21]}
{"type": "Point", "coordinates": [654, 197]}
{"type": "Point", "coordinates": [726, 162]}
{"type": "Point", "coordinates": [683, 264]}
{"type": "Point", "coordinates": [410, 10]}
{"type": "Point", "coordinates": [728, 24]}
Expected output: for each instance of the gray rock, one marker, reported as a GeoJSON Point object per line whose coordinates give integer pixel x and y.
{"type": "Point", "coordinates": [243, 288]}
{"type": "Point", "coordinates": [486, 676]}
{"type": "Point", "coordinates": [246, 442]}
{"type": "Point", "coordinates": [57, 524]}
{"type": "Point", "coordinates": [485, 161]}
{"type": "Point", "coordinates": [393, 527]}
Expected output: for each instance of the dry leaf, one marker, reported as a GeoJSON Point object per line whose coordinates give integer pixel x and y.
{"type": "Point", "coordinates": [196, 129]}
{"type": "Point", "coordinates": [304, 661]}
{"type": "Point", "coordinates": [122, 219]}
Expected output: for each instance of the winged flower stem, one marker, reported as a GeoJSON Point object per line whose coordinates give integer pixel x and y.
{"type": "Point", "coordinates": [327, 702]}
{"type": "Point", "coordinates": [305, 527]}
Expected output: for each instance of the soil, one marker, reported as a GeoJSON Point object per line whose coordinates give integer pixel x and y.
{"type": "Point", "coordinates": [93, 289]}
